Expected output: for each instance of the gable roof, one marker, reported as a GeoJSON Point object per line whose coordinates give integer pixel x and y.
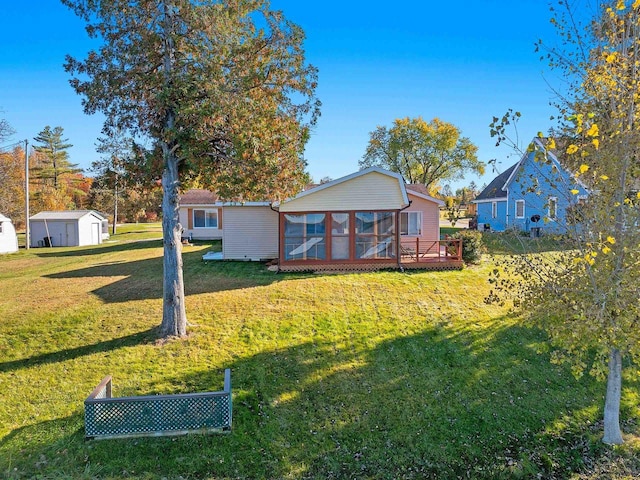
{"type": "Point", "coordinates": [347, 178]}
{"type": "Point", "coordinates": [198, 196]}
{"type": "Point", "coordinates": [495, 191]}
{"type": "Point", "coordinates": [65, 215]}
{"type": "Point", "coordinates": [419, 190]}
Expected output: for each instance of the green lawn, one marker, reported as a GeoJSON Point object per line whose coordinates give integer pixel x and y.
{"type": "Point", "coordinates": [380, 375]}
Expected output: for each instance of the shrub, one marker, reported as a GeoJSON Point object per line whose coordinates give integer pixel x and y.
{"type": "Point", "coordinates": [472, 245]}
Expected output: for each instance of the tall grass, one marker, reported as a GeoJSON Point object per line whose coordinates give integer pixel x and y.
{"type": "Point", "coordinates": [379, 375]}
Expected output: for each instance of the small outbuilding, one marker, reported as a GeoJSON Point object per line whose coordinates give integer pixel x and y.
{"type": "Point", "coordinates": [69, 228]}
{"type": "Point", "coordinates": [8, 238]}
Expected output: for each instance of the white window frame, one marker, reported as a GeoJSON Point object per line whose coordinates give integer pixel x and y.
{"type": "Point", "coordinates": [522, 215]}
{"type": "Point", "coordinates": [409, 233]}
{"type": "Point", "coordinates": [494, 209]}
{"type": "Point", "coordinates": [207, 212]}
{"type": "Point", "coordinates": [553, 201]}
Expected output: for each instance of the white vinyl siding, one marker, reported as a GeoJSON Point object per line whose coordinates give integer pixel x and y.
{"type": "Point", "coordinates": [369, 192]}
{"type": "Point", "coordinates": [249, 233]}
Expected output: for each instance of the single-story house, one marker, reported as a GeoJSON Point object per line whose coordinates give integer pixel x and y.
{"type": "Point", "coordinates": [8, 237]}
{"type": "Point", "coordinates": [534, 195]}
{"type": "Point", "coordinates": [369, 219]}
{"type": "Point", "coordinates": [359, 222]}
{"type": "Point", "coordinates": [69, 228]}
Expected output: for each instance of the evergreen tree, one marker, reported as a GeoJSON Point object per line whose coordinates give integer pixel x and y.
{"type": "Point", "coordinates": [54, 157]}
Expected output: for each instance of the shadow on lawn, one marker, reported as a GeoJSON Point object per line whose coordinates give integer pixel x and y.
{"type": "Point", "coordinates": [98, 250]}
{"type": "Point", "coordinates": [143, 278]}
{"type": "Point", "coordinates": [438, 404]}
{"type": "Point", "coordinates": [140, 338]}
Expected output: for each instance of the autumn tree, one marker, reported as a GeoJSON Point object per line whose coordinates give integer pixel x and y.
{"type": "Point", "coordinates": [12, 184]}
{"type": "Point", "coordinates": [220, 88]}
{"type": "Point", "coordinates": [586, 297]}
{"type": "Point", "coordinates": [422, 152]}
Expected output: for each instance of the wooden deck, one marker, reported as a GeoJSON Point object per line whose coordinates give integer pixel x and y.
{"type": "Point", "coordinates": [414, 254]}
{"type": "Point", "coordinates": [432, 255]}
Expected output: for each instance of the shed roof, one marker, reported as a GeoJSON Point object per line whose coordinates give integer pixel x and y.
{"type": "Point", "coordinates": [65, 215]}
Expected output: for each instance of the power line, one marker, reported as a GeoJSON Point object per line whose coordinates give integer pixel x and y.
{"type": "Point", "coordinates": [11, 146]}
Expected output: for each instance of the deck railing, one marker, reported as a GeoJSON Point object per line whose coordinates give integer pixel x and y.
{"type": "Point", "coordinates": [416, 250]}
{"type": "Point", "coordinates": [156, 415]}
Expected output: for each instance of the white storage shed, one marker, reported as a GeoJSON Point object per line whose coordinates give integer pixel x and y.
{"type": "Point", "coordinates": [71, 228]}
{"type": "Point", "coordinates": [8, 238]}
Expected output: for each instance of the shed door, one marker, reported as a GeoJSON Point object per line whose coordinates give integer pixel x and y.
{"type": "Point", "coordinates": [95, 233]}
{"type": "Point", "coordinates": [70, 235]}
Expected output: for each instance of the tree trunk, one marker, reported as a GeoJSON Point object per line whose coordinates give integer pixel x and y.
{"type": "Point", "coordinates": [612, 433]}
{"type": "Point", "coordinates": [174, 315]}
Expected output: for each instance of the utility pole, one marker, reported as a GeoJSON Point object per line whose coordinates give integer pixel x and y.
{"type": "Point", "coordinates": [26, 194]}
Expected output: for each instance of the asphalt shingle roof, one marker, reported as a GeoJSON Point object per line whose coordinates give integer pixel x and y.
{"type": "Point", "coordinates": [198, 196]}
{"type": "Point", "coordinates": [494, 189]}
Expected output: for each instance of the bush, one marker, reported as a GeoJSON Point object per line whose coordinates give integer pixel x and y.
{"type": "Point", "coordinates": [472, 245]}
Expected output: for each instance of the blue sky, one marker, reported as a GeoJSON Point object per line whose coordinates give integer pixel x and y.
{"type": "Point", "coordinates": [463, 62]}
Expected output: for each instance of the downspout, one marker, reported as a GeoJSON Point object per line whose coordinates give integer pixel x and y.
{"type": "Point", "coordinates": [398, 233]}
{"type": "Point", "coordinates": [279, 238]}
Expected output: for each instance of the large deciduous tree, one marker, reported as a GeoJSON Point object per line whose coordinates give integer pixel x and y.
{"type": "Point", "coordinates": [220, 87]}
{"type": "Point", "coordinates": [587, 297]}
{"type": "Point", "coordinates": [422, 152]}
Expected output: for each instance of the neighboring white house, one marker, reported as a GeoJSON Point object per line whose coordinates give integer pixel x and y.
{"type": "Point", "coordinates": [70, 228]}
{"type": "Point", "coordinates": [8, 238]}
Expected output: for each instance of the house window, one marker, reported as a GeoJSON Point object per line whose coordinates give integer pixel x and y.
{"type": "Point", "coordinates": [304, 236]}
{"type": "Point", "coordinates": [411, 223]}
{"type": "Point", "coordinates": [552, 208]}
{"type": "Point", "coordinates": [494, 209]}
{"type": "Point", "coordinates": [340, 236]}
{"type": "Point", "coordinates": [375, 235]}
{"type": "Point", "coordinates": [205, 218]}
{"type": "Point", "coordinates": [519, 208]}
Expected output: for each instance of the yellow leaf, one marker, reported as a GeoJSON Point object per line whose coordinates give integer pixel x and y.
{"type": "Point", "coordinates": [584, 168]}
{"type": "Point", "coordinates": [606, 250]}
{"type": "Point", "coordinates": [593, 130]}
{"type": "Point", "coordinates": [620, 5]}
{"type": "Point", "coordinates": [638, 194]}
{"type": "Point", "coordinates": [636, 4]}
{"type": "Point", "coordinates": [611, 240]}
{"type": "Point", "coordinates": [572, 149]}
{"type": "Point", "coordinates": [596, 143]}
{"type": "Point", "coordinates": [610, 57]}
{"type": "Point", "coordinates": [574, 191]}
{"type": "Point", "coordinates": [552, 143]}
{"type": "Point", "coordinates": [540, 135]}
{"type": "Point", "coordinates": [604, 177]}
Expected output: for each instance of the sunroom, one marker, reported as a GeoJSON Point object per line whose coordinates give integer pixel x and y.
{"type": "Point", "coordinates": [350, 222]}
